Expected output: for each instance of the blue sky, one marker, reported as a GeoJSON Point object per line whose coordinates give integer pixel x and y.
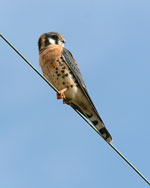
{"type": "Point", "coordinates": [44, 143]}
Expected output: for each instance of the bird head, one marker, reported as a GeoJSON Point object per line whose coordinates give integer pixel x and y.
{"type": "Point", "coordinates": [51, 38]}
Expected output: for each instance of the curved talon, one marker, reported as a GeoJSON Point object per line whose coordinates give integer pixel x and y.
{"type": "Point", "coordinates": [61, 95]}
{"type": "Point", "coordinates": [67, 101]}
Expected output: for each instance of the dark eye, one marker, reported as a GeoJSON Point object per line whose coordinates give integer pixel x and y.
{"type": "Point", "coordinates": [55, 37]}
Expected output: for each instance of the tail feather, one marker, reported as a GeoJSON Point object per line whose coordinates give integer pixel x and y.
{"type": "Point", "coordinates": [97, 122]}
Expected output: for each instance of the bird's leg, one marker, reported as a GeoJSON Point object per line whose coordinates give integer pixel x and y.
{"type": "Point", "coordinates": [67, 101]}
{"type": "Point", "coordinates": [61, 95]}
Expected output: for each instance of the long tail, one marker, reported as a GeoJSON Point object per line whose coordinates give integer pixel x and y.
{"type": "Point", "coordinates": [97, 122]}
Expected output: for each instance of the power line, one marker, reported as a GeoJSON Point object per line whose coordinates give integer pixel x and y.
{"type": "Point", "coordinates": [111, 145]}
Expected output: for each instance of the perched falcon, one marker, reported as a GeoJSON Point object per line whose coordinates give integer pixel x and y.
{"type": "Point", "coordinates": [61, 69]}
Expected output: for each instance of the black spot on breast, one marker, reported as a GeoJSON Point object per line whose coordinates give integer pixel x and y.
{"type": "Point", "coordinates": [61, 64]}
{"type": "Point", "coordinates": [58, 74]}
{"type": "Point", "coordinates": [56, 68]}
{"type": "Point", "coordinates": [62, 60]}
{"type": "Point", "coordinates": [63, 67]}
{"type": "Point", "coordinates": [66, 74]}
{"type": "Point", "coordinates": [63, 76]}
{"type": "Point", "coordinates": [71, 86]}
{"type": "Point", "coordinates": [95, 122]}
{"type": "Point", "coordinates": [62, 71]}
{"type": "Point", "coordinates": [63, 83]}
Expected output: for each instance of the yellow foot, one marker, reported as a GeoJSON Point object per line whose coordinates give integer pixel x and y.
{"type": "Point", "coordinates": [61, 95]}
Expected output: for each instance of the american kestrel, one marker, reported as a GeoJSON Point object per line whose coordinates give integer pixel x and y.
{"type": "Point", "coordinates": [60, 68]}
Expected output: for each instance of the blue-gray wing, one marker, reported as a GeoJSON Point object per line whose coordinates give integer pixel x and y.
{"type": "Point", "coordinates": [71, 63]}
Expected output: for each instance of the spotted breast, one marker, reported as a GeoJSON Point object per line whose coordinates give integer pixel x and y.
{"type": "Point", "coordinates": [61, 69]}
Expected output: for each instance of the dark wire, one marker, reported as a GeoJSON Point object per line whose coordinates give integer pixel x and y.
{"type": "Point", "coordinates": [113, 147]}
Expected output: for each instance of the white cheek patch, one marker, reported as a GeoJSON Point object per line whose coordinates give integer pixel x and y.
{"type": "Point", "coordinates": [61, 43]}
{"type": "Point", "coordinates": [51, 41]}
